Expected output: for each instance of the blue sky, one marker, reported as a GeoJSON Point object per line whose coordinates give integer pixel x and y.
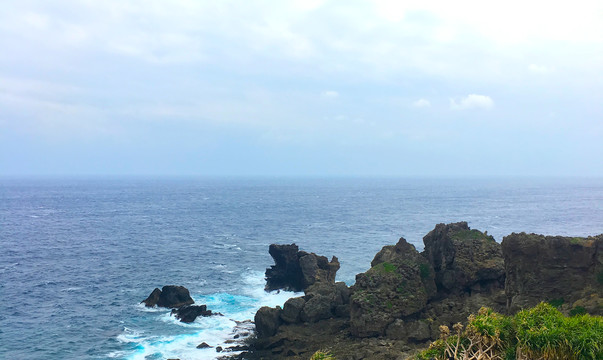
{"type": "Point", "coordinates": [311, 88]}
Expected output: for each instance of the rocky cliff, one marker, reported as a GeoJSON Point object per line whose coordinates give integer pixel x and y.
{"type": "Point", "coordinates": [400, 302]}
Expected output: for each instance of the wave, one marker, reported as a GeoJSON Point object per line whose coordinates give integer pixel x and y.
{"type": "Point", "coordinates": [179, 340]}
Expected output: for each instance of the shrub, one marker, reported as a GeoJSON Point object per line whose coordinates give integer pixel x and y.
{"type": "Point", "coordinates": [538, 333]}
{"type": "Point", "coordinates": [322, 355]}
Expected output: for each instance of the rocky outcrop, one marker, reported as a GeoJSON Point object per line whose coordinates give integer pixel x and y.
{"type": "Point", "coordinates": [564, 270]}
{"type": "Point", "coordinates": [267, 320]}
{"type": "Point", "coordinates": [463, 259]}
{"type": "Point", "coordinates": [170, 296]}
{"type": "Point", "coordinates": [400, 302]}
{"type": "Point", "coordinates": [179, 300]}
{"type": "Point", "coordinates": [399, 284]}
{"type": "Point", "coordinates": [153, 299]}
{"type": "Point", "coordinates": [188, 313]}
{"type": "Point", "coordinates": [296, 270]}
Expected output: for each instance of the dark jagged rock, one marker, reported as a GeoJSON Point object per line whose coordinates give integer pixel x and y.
{"type": "Point", "coordinates": [173, 296]}
{"type": "Point", "coordinates": [188, 313]}
{"type": "Point", "coordinates": [399, 283]}
{"type": "Point", "coordinates": [153, 298]}
{"type": "Point", "coordinates": [267, 320]}
{"type": "Point", "coordinates": [295, 270]}
{"type": "Point", "coordinates": [170, 296]}
{"type": "Point", "coordinates": [203, 345]}
{"type": "Point", "coordinates": [292, 309]}
{"type": "Point", "coordinates": [464, 260]}
{"type": "Point", "coordinates": [565, 269]}
{"type": "Point", "coordinates": [398, 305]}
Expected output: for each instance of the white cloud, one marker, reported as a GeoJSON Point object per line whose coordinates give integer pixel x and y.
{"type": "Point", "coordinates": [421, 103]}
{"type": "Point", "coordinates": [472, 101]}
{"type": "Point", "coordinates": [329, 94]}
{"type": "Point", "coordinates": [540, 69]}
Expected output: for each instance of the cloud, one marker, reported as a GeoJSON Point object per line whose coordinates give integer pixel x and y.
{"type": "Point", "coordinates": [472, 101]}
{"type": "Point", "coordinates": [421, 103]}
{"type": "Point", "coordinates": [330, 94]}
{"type": "Point", "coordinates": [540, 69]}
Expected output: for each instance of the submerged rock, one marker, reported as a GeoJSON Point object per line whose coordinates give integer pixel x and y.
{"type": "Point", "coordinates": [188, 313]}
{"type": "Point", "coordinates": [170, 296]}
{"type": "Point", "coordinates": [295, 270]}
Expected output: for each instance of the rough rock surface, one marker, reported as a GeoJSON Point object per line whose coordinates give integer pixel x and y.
{"type": "Point", "coordinates": [399, 283]}
{"type": "Point", "coordinates": [170, 296]}
{"type": "Point", "coordinates": [567, 270]}
{"type": "Point", "coordinates": [464, 260]}
{"type": "Point", "coordinates": [189, 313]}
{"type": "Point", "coordinates": [153, 298]}
{"type": "Point", "coordinates": [398, 305]}
{"type": "Point", "coordinates": [267, 320]}
{"type": "Point", "coordinates": [295, 270]}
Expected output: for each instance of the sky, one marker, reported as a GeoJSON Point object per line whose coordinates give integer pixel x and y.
{"type": "Point", "coordinates": [301, 88]}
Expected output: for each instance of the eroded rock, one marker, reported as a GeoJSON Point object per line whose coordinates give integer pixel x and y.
{"type": "Point", "coordinates": [295, 270]}
{"type": "Point", "coordinates": [553, 268]}
{"type": "Point", "coordinates": [464, 260]}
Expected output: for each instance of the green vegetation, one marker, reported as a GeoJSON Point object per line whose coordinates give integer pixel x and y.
{"type": "Point", "coordinates": [424, 271]}
{"type": "Point", "coordinates": [538, 333]}
{"type": "Point", "coordinates": [556, 302]}
{"type": "Point", "coordinates": [578, 310]}
{"type": "Point", "coordinates": [388, 268]}
{"type": "Point", "coordinates": [465, 235]}
{"type": "Point", "coordinates": [600, 277]}
{"type": "Point", "coordinates": [322, 355]}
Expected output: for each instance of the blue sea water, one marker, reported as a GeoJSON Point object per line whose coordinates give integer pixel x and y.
{"type": "Point", "coordinates": [78, 255]}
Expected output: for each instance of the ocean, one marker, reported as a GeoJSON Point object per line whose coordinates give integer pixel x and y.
{"type": "Point", "coordinates": [79, 255]}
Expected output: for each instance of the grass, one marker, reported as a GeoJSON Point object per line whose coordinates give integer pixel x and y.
{"type": "Point", "coordinates": [388, 267]}
{"type": "Point", "coordinates": [538, 333]}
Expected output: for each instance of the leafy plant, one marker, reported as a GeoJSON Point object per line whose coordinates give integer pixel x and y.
{"type": "Point", "coordinates": [538, 333]}
{"type": "Point", "coordinates": [322, 355]}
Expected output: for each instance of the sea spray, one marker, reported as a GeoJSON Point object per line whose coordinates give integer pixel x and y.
{"type": "Point", "coordinates": [213, 330]}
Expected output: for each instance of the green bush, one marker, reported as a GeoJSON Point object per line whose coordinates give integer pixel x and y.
{"type": "Point", "coordinates": [542, 332]}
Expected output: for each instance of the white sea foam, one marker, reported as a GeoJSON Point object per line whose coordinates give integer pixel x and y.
{"type": "Point", "coordinates": [213, 330]}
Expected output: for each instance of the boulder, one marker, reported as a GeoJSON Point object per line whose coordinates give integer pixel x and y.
{"type": "Point", "coordinates": [464, 260]}
{"type": "Point", "coordinates": [399, 283]}
{"type": "Point", "coordinates": [188, 313]}
{"type": "Point", "coordinates": [291, 310]}
{"type": "Point", "coordinates": [295, 270]}
{"type": "Point", "coordinates": [318, 307]}
{"type": "Point", "coordinates": [203, 345]}
{"type": "Point", "coordinates": [173, 296]}
{"type": "Point", "coordinates": [153, 298]}
{"type": "Point", "coordinates": [170, 296]}
{"type": "Point", "coordinates": [267, 320]}
{"type": "Point", "coordinates": [566, 270]}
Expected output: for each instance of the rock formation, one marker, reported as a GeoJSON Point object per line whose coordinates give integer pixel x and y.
{"type": "Point", "coordinates": [564, 270]}
{"type": "Point", "coordinates": [295, 270]}
{"type": "Point", "coordinates": [400, 302]}
{"type": "Point", "coordinates": [170, 296]}
{"type": "Point", "coordinates": [188, 313]}
{"type": "Point", "coordinates": [463, 259]}
{"type": "Point", "coordinates": [179, 300]}
{"type": "Point", "coordinates": [399, 283]}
